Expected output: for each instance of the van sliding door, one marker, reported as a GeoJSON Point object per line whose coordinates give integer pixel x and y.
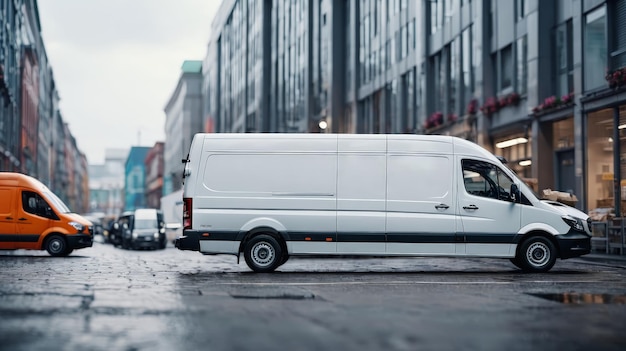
{"type": "Point", "coordinates": [421, 205]}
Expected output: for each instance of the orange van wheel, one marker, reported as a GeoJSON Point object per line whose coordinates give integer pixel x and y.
{"type": "Point", "coordinates": [57, 246]}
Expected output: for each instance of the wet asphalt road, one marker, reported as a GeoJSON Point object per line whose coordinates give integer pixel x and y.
{"type": "Point", "coordinates": [105, 298]}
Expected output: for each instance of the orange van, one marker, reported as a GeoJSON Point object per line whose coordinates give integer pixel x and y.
{"type": "Point", "coordinates": [33, 217]}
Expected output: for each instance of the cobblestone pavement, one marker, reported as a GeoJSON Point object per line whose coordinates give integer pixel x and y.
{"type": "Point", "coordinates": [105, 298]}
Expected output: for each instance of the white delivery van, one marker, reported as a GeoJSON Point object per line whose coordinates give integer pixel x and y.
{"type": "Point", "coordinates": [272, 196]}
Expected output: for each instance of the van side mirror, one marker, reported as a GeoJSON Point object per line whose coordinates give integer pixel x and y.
{"type": "Point", "coordinates": [515, 193]}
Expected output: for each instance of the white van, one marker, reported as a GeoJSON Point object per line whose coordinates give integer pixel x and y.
{"type": "Point", "coordinates": [272, 196]}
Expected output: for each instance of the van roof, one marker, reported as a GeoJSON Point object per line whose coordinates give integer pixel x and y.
{"type": "Point", "coordinates": [15, 179]}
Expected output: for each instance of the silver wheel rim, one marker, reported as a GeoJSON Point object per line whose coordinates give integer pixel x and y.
{"type": "Point", "coordinates": [538, 254]}
{"type": "Point", "coordinates": [263, 254]}
{"type": "Point", "coordinates": [56, 245]}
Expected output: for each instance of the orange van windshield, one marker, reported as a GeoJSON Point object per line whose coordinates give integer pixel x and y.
{"type": "Point", "coordinates": [56, 202]}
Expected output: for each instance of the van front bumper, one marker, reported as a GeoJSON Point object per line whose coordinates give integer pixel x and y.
{"type": "Point", "coordinates": [573, 244]}
{"type": "Point", "coordinates": [79, 241]}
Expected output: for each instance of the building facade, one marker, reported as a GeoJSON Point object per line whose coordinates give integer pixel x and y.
{"type": "Point", "coordinates": [183, 118]}
{"type": "Point", "coordinates": [154, 176]}
{"type": "Point", "coordinates": [135, 178]}
{"type": "Point", "coordinates": [106, 184]}
{"type": "Point", "coordinates": [541, 83]}
{"type": "Point", "coordinates": [33, 136]}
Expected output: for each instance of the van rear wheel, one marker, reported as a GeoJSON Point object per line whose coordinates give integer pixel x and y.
{"type": "Point", "coordinates": [537, 254]}
{"type": "Point", "coordinates": [263, 253]}
{"type": "Point", "coordinates": [57, 246]}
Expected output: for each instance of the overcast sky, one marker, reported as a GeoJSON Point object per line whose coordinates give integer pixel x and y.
{"type": "Point", "coordinates": [117, 62]}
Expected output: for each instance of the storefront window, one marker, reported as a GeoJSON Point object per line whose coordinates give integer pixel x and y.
{"type": "Point", "coordinates": [622, 157]}
{"type": "Point", "coordinates": [600, 168]}
{"type": "Point", "coordinates": [516, 149]}
{"type": "Point", "coordinates": [563, 134]}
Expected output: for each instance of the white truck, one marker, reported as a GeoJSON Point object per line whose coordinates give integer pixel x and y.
{"type": "Point", "coordinates": [272, 196]}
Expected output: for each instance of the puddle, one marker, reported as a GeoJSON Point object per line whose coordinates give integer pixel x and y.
{"type": "Point", "coordinates": [264, 292]}
{"type": "Point", "coordinates": [584, 298]}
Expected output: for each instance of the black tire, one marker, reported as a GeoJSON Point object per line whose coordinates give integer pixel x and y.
{"type": "Point", "coordinates": [263, 253]}
{"type": "Point", "coordinates": [537, 254]}
{"type": "Point", "coordinates": [517, 263]}
{"type": "Point", "coordinates": [57, 246]}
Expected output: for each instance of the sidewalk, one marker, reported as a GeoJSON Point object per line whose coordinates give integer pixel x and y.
{"type": "Point", "coordinates": [607, 258]}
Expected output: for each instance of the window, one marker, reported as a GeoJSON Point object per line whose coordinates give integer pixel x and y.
{"type": "Point", "coordinates": [595, 50]}
{"type": "Point", "coordinates": [468, 76]}
{"type": "Point", "coordinates": [506, 68]}
{"type": "Point", "coordinates": [564, 63]}
{"type": "Point", "coordinates": [486, 180]}
{"type": "Point", "coordinates": [618, 34]}
{"type": "Point", "coordinates": [522, 65]}
{"type": "Point", "coordinates": [34, 204]}
{"type": "Point", "coordinates": [520, 8]}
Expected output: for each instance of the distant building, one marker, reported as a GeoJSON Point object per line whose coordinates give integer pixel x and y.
{"type": "Point", "coordinates": [135, 178]}
{"type": "Point", "coordinates": [183, 118]}
{"type": "Point", "coordinates": [106, 183]}
{"type": "Point", "coordinates": [154, 176]}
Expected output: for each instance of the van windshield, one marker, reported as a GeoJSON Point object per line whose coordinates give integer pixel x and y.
{"type": "Point", "coordinates": [56, 202]}
{"type": "Point", "coordinates": [520, 181]}
{"type": "Point", "coordinates": [146, 224]}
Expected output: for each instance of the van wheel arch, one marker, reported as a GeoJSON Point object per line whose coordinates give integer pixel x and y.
{"type": "Point", "coordinates": [544, 242]}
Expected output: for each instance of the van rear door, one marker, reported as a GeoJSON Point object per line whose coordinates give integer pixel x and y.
{"type": "Point", "coordinates": [7, 217]}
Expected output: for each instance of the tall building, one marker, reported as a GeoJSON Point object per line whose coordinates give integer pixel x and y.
{"type": "Point", "coordinates": [183, 118]}
{"type": "Point", "coordinates": [135, 178]}
{"type": "Point", "coordinates": [541, 83]}
{"type": "Point", "coordinates": [33, 136]}
{"type": "Point", "coordinates": [106, 184]}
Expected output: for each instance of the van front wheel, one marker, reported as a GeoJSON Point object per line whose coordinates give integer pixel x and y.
{"type": "Point", "coordinates": [57, 246]}
{"type": "Point", "coordinates": [263, 253]}
{"type": "Point", "coordinates": [537, 254]}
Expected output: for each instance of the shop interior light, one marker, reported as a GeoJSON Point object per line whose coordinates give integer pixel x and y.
{"type": "Point", "coordinates": [525, 163]}
{"type": "Point", "coordinates": [323, 124]}
{"type": "Point", "coordinates": [511, 142]}
{"type": "Point", "coordinates": [621, 126]}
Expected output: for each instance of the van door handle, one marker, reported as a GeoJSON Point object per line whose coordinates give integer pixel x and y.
{"type": "Point", "coordinates": [470, 207]}
{"type": "Point", "coordinates": [22, 219]}
{"type": "Point", "coordinates": [8, 218]}
{"type": "Point", "coordinates": [442, 207]}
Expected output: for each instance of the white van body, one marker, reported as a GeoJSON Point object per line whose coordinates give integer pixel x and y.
{"type": "Point", "coordinates": [350, 194]}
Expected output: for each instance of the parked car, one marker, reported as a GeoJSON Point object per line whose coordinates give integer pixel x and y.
{"type": "Point", "coordinates": [140, 229]}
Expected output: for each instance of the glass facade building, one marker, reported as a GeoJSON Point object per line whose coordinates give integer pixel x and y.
{"type": "Point", "coordinates": [542, 83]}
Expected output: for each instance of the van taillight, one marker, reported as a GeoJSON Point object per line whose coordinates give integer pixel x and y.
{"type": "Point", "coordinates": [186, 213]}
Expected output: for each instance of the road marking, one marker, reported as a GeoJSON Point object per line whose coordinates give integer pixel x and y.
{"type": "Point", "coordinates": [416, 282]}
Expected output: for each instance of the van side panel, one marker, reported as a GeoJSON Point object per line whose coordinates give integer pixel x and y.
{"type": "Point", "coordinates": [421, 203]}
{"type": "Point", "coordinates": [289, 181]}
{"type": "Point", "coordinates": [361, 188]}
{"type": "Point", "coordinates": [8, 217]}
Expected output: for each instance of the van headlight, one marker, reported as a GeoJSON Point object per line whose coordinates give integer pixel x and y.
{"type": "Point", "coordinates": [575, 223]}
{"type": "Point", "coordinates": [156, 235]}
{"type": "Point", "coordinates": [77, 226]}
{"type": "Point", "coordinates": [135, 235]}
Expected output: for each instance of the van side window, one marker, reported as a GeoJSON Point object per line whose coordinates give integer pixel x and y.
{"type": "Point", "coordinates": [33, 203]}
{"type": "Point", "coordinates": [486, 180]}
